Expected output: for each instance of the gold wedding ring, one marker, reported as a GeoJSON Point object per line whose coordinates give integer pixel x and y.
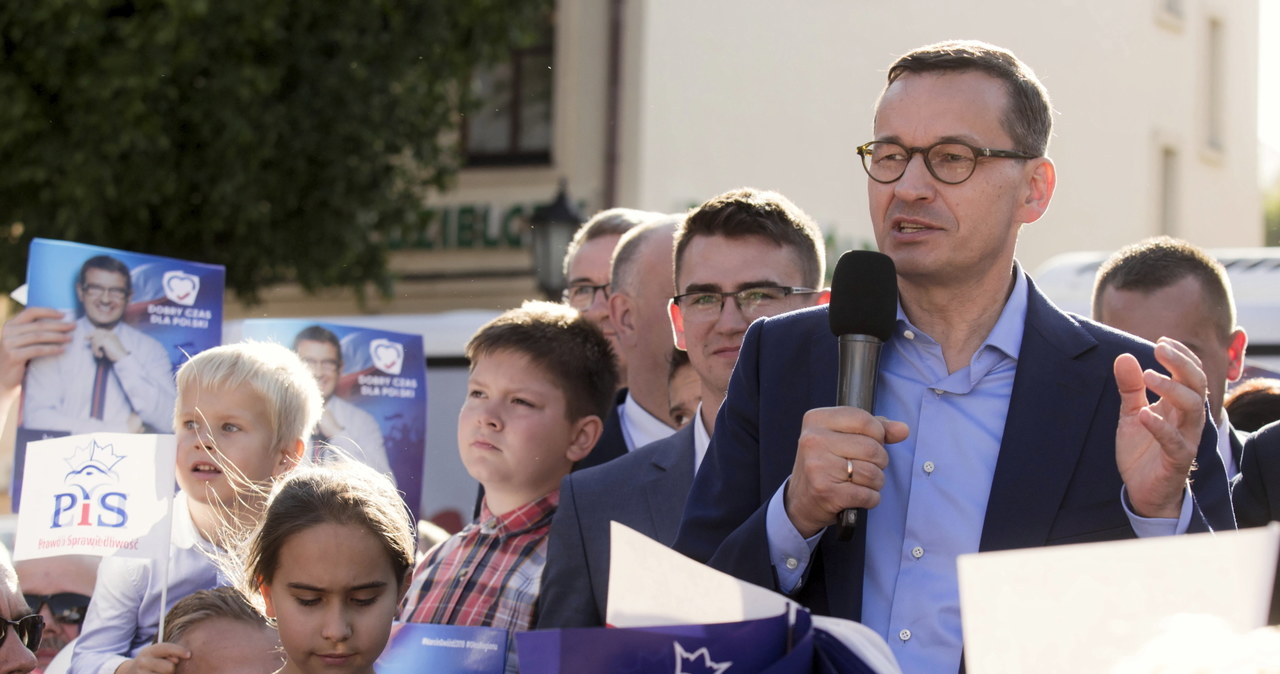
{"type": "Point", "coordinates": [848, 469]}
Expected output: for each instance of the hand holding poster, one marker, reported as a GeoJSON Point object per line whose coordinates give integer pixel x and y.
{"type": "Point", "coordinates": [135, 318]}
{"type": "Point", "coordinates": [374, 384]}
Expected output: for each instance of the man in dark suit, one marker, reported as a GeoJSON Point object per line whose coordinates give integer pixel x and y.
{"type": "Point", "coordinates": [740, 256]}
{"type": "Point", "coordinates": [1004, 422]}
{"type": "Point", "coordinates": [1256, 491]}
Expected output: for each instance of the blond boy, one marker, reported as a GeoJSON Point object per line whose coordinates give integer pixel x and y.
{"type": "Point", "coordinates": [243, 412]}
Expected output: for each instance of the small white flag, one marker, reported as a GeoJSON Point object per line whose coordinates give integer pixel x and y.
{"type": "Point", "coordinates": [97, 494]}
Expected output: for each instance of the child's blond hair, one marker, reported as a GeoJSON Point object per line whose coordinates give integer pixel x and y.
{"type": "Point", "coordinates": [285, 384]}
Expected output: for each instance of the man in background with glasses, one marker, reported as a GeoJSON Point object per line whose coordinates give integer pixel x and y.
{"type": "Point", "coordinates": [586, 268]}
{"type": "Point", "coordinates": [59, 589]}
{"type": "Point", "coordinates": [638, 289]}
{"type": "Point", "coordinates": [110, 376]}
{"type": "Point", "coordinates": [1002, 422]}
{"type": "Point", "coordinates": [740, 256]}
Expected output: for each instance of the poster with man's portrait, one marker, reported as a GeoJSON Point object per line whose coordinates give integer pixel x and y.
{"type": "Point", "coordinates": [136, 318]}
{"type": "Point", "coordinates": [374, 384]}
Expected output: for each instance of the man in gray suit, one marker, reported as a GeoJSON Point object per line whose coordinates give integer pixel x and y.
{"type": "Point", "coordinates": [740, 256]}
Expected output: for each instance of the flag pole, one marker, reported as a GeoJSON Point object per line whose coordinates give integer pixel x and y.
{"type": "Point", "coordinates": [168, 557]}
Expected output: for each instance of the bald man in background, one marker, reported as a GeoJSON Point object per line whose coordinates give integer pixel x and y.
{"type": "Point", "coordinates": [641, 279]}
{"type": "Point", "coordinates": [586, 268]}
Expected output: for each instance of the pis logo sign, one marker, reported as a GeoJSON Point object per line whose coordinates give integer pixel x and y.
{"type": "Point", "coordinates": [93, 497]}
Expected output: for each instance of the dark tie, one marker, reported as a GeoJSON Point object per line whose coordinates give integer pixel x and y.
{"type": "Point", "coordinates": [100, 378]}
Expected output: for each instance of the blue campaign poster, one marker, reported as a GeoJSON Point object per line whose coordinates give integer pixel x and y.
{"type": "Point", "coordinates": [375, 388]}
{"type": "Point", "coordinates": [423, 647]}
{"type": "Point", "coordinates": [136, 318]}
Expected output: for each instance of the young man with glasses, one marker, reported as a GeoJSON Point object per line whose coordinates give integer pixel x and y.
{"type": "Point", "coordinates": [110, 376]}
{"type": "Point", "coordinates": [59, 589]}
{"type": "Point", "coordinates": [1001, 421]}
{"type": "Point", "coordinates": [743, 255]}
{"type": "Point", "coordinates": [343, 426]}
{"type": "Point", "coordinates": [21, 627]}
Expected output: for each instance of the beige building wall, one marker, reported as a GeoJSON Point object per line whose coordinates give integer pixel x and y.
{"type": "Point", "coordinates": [716, 94]}
{"type": "Point", "coordinates": [778, 95]}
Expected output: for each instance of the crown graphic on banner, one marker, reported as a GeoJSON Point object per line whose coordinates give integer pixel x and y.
{"type": "Point", "coordinates": [92, 466]}
{"type": "Point", "coordinates": [687, 663]}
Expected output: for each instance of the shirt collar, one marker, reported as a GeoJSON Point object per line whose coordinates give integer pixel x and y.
{"type": "Point", "coordinates": [640, 428]}
{"type": "Point", "coordinates": [528, 516]}
{"type": "Point", "coordinates": [1006, 334]}
{"type": "Point", "coordinates": [1225, 431]}
{"type": "Point", "coordinates": [701, 439]}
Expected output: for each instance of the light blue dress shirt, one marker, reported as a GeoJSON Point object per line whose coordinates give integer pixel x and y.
{"type": "Point", "coordinates": [934, 501]}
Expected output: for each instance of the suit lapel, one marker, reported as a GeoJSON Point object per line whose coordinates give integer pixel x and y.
{"type": "Point", "coordinates": [666, 482]}
{"type": "Point", "coordinates": [1044, 432]}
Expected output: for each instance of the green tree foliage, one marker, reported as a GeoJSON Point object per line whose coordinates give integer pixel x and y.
{"type": "Point", "coordinates": [281, 138]}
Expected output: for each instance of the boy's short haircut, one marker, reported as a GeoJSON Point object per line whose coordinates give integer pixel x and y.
{"type": "Point", "coordinates": [568, 347]}
{"type": "Point", "coordinates": [275, 373]}
{"type": "Point", "coordinates": [197, 607]}
{"type": "Point", "coordinates": [768, 215]}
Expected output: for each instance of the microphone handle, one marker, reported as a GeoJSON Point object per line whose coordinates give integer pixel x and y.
{"type": "Point", "coordinates": [856, 387]}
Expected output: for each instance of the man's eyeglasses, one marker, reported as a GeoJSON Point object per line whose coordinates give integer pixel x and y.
{"type": "Point", "coordinates": [580, 296]}
{"type": "Point", "coordinates": [65, 607]}
{"type": "Point", "coordinates": [94, 291]}
{"type": "Point", "coordinates": [950, 162]}
{"type": "Point", "coordinates": [752, 302]}
{"type": "Point", "coordinates": [29, 629]}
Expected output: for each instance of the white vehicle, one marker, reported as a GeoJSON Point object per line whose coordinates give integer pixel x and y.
{"type": "Point", "coordinates": [1255, 282]}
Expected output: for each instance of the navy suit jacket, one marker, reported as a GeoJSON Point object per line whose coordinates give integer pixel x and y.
{"type": "Point", "coordinates": [1055, 480]}
{"type": "Point", "coordinates": [644, 490]}
{"type": "Point", "coordinates": [1256, 491]}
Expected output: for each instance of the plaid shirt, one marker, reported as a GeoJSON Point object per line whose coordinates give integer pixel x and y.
{"type": "Point", "coordinates": [488, 574]}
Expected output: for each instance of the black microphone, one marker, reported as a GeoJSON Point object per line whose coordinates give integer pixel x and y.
{"type": "Point", "coordinates": [863, 312]}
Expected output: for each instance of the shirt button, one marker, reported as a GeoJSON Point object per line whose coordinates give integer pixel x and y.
{"type": "Point", "coordinates": [905, 635]}
{"type": "Point", "coordinates": [917, 552]}
{"type": "Point", "coordinates": [464, 571]}
{"type": "Point", "coordinates": [928, 467]}
{"type": "Point", "coordinates": [908, 334]}
{"type": "Point", "coordinates": [792, 563]}
{"type": "Point", "coordinates": [937, 392]}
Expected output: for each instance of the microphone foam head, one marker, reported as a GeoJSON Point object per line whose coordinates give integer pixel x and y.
{"type": "Point", "coordinates": [864, 295]}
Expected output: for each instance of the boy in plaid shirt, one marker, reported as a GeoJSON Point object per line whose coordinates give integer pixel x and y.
{"type": "Point", "coordinates": [542, 381]}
